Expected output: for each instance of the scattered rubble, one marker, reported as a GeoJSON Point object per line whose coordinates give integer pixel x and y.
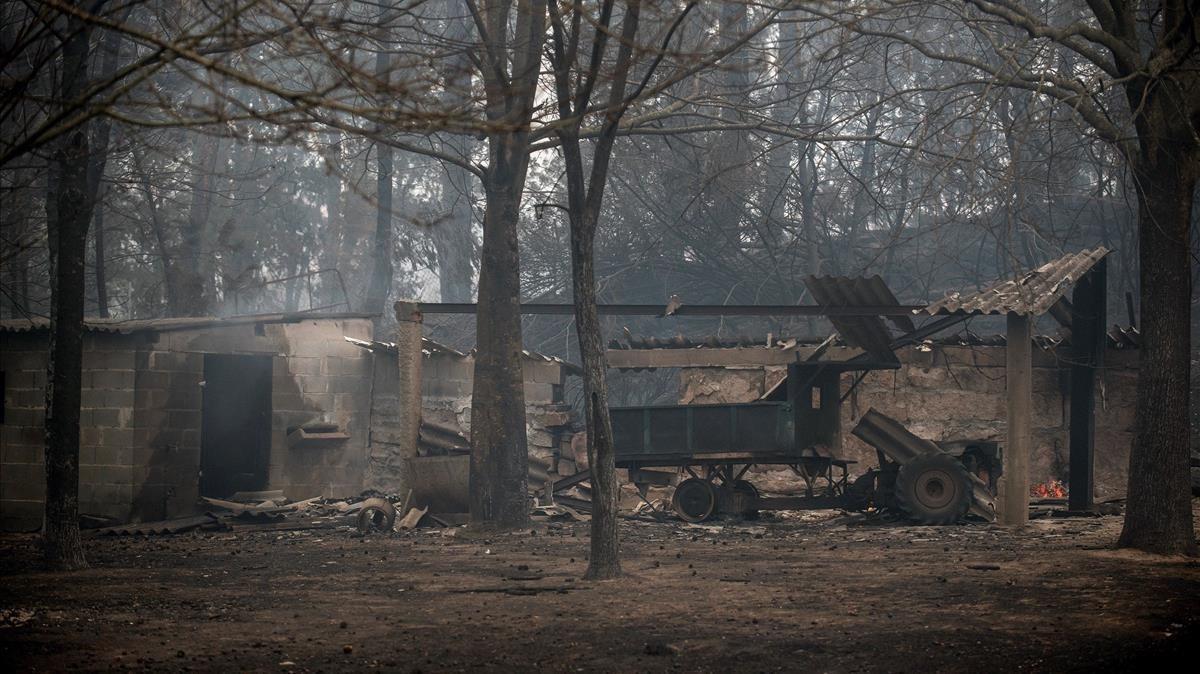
{"type": "Point", "coordinates": [376, 514]}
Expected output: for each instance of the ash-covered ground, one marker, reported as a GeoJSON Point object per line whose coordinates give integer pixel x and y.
{"type": "Point", "coordinates": [814, 592]}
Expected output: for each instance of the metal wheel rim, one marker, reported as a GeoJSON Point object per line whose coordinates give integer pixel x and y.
{"type": "Point", "coordinates": [935, 489]}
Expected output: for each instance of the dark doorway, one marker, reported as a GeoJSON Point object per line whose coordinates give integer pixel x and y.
{"type": "Point", "coordinates": [235, 431]}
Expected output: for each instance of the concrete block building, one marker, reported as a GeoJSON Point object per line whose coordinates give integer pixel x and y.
{"type": "Point", "coordinates": [176, 409]}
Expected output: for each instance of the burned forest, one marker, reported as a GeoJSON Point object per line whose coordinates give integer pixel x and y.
{"type": "Point", "coordinates": [599, 335]}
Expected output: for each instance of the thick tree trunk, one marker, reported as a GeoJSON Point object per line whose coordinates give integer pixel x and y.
{"type": "Point", "coordinates": [63, 548]}
{"type": "Point", "coordinates": [67, 226]}
{"type": "Point", "coordinates": [499, 449]}
{"type": "Point", "coordinates": [1158, 512]}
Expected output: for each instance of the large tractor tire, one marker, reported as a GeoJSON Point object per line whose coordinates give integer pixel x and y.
{"type": "Point", "coordinates": [934, 488]}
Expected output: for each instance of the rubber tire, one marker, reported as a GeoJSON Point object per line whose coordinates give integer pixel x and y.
{"type": "Point", "coordinates": [694, 500]}
{"type": "Point", "coordinates": [934, 488]}
{"type": "Point", "coordinates": [377, 515]}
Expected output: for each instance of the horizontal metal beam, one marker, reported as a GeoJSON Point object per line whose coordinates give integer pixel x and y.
{"type": "Point", "coordinates": [689, 309]}
{"type": "Point", "coordinates": [718, 357]}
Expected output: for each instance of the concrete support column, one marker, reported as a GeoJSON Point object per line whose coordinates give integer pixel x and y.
{"type": "Point", "coordinates": [408, 358]}
{"type": "Point", "coordinates": [1014, 483]}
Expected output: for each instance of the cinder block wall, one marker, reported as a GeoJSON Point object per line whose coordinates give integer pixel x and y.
{"type": "Point", "coordinates": [958, 393]}
{"type": "Point", "coordinates": [22, 436]}
{"type": "Point", "coordinates": [107, 479]}
{"type": "Point", "coordinates": [324, 379]}
{"type": "Point", "coordinates": [141, 416]}
{"type": "Point", "coordinates": [166, 436]}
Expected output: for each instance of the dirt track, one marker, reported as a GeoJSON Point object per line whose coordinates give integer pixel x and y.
{"type": "Point", "coordinates": [791, 593]}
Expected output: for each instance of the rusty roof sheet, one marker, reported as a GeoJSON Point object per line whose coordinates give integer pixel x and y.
{"type": "Point", "coordinates": [1029, 294]}
{"type": "Point", "coordinates": [127, 327]}
{"type": "Point", "coordinates": [868, 333]}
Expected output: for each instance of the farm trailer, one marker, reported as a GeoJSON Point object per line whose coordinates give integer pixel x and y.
{"type": "Point", "coordinates": [716, 445]}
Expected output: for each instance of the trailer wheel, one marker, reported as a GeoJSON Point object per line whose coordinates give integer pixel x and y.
{"type": "Point", "coordinates": [694, 500]}
{"type": "Point", "coordinates": [748, 498]}
{"type": "Point", "coordinates": [933, 489]}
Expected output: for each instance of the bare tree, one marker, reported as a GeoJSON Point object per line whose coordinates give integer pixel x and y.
{"type": "Point", "coordinates": [575, 84]}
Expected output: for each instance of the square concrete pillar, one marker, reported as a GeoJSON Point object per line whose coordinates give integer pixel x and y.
{"type": "Point", "coordinates": [1014, 483]}
{"type": "Point", "coordinates": [408, 358]}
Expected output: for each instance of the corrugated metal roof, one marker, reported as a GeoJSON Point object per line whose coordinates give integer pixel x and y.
{"type": "Point", "coordinates": [169, 324]}
{"type": "Point", "coordinates": [430, 347]}
{"type": "Point", "coordinates": [868, 333]}
{"type": "Point", "coordinates": [1118, 338]}
{"type": "Point", "coordinates": [1029, 294]}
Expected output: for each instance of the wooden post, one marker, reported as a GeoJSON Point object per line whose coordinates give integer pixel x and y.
{"type": "Point", "coordinates": [1088, 320]}
{"type": "Point", "coordinates": [408, 358]}
{"type": "Point", "coordinates": [1014, 483]}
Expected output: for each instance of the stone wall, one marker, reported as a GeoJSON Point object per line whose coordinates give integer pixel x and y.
{"type": "Point", "coordinates": [141, 415]}
{"type": "Point", "coordinates": [948, 393]}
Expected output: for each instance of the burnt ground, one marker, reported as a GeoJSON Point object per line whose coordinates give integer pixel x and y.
{"type": "Point", "coordinates": [813, 592]}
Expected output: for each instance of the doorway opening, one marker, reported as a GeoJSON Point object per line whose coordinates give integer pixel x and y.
{"type": "Point", "coordinates": [235, 424]}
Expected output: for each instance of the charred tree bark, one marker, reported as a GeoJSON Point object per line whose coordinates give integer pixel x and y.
{"type": "Point", "coordinates": [499, 449]}
{"type": "Point", "coordinates": [604, 560]}
{"type": "Point", "coordinates": [67, 226]}
{"type": "Point", "coordinates": [499, 446]}
{"type": "Point", "coordinates": [63, 548]}
{"type": "Point", "coordinates": [585, 198]}
{"type": "Point", "coordinates": [1158, 512]}
{"type": "Point", "coordinates": [584, 202]}
{"type": "Point", "coordinates": [1164, 96]}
